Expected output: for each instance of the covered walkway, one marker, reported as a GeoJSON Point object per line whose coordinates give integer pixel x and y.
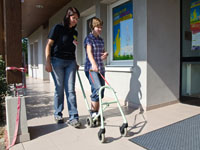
{"type": "Point", "coordinates": [45, 134]}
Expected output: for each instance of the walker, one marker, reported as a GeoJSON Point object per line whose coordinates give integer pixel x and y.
{"type": "Point", "coordinates": [92, 122]}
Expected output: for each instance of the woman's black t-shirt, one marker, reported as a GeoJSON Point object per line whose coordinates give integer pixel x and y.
{"type": "Point", "coordinates": [63, 46]}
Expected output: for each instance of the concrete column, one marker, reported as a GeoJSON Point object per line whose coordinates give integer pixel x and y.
{"type": "Point", "coordinates": [163, 52]}
{"type": "Point", "coordinates": [2, 49]}
{"type": "Point", "coordinates": [138, 83]}
{"type": "Point", "coordinates": [156, 72]}
{"type": "Point", "coordinates": [11, 114]}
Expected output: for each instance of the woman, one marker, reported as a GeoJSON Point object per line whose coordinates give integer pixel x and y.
{"type": "Point", "coordinates": [61, 62]}
{"type": "Point", "coordinates": [95, 54]}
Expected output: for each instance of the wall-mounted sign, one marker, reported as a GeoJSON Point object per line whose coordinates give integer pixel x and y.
{"type": "Point", "coordinates": [195, 24]}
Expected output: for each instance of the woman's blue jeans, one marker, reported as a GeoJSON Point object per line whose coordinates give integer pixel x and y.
{"type": "Point", "coordinates": [64, 75]}
{"type": "Point", "coordinates": [95, 87]}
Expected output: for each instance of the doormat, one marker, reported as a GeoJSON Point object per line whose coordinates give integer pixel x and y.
{"type": "Point", "coordinates": [182, 135]}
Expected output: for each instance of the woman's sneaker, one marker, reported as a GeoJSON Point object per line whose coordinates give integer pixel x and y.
{"type": "Point", "coordinates": [59, 119]}
{"type": "Point", "coordinates": [75, 123]}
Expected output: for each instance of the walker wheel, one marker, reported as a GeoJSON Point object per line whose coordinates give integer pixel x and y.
{"type": "Point", "coordinates": [101, 135]}
{"type": "Point", "coordinates": [123, 132]}
{"type": "Point", "coordinates": [89, 122]}
{"type": "Point", "coordinates": [123, 129]}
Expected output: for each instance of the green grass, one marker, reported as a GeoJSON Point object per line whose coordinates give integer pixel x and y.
{"type": "Point", "coordinates": [126, 57]}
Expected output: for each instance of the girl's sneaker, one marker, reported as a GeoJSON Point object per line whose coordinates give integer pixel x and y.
{"type": "Point", "coordinates": [93, 114]}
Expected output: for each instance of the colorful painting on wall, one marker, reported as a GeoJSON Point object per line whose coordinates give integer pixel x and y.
{"type": "Point", "coordinates": [123, 32]}
{"type": "Point", "coordinates": [195, 24]}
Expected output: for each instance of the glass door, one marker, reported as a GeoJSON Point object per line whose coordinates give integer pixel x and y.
{"type": "Point", "coordinates": [190, 51]}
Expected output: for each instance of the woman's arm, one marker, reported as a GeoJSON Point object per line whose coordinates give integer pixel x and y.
{"type": "Point", "coordinates": [48, 66]}
{"type": "Point", "coordinates": [91, 58]}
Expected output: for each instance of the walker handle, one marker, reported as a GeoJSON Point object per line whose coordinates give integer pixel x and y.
{"type": "Point", "coordinates": [91, 70]}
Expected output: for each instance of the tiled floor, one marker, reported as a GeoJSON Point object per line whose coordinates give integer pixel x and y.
{"type": "Point", "coordinates": [45, 134]}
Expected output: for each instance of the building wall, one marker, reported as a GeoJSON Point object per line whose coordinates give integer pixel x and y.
{"type": "Point", "coordinates": [152, 78]}
{"type": "Point", "coordinates": [113, 73]}
{"type": "Point", "coordinates": [44, 41]}
{"type": "Point", "coordinates": [39, 36]}
{"type": "Point", "coordinates": [137, 95]}
{"type": "Point", "coordinates": [163, 51]}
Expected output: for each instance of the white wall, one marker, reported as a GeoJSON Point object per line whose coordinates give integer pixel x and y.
{"type": "Point", "coordinates": [163, 51]}
{"type": "Point", "coordinates": [137, 94]}
{"type": "Point", "coordinates": [40, 37]}
{"type": "Point", "coordinates": [156, 72]}
{"type": "Point", "coordinates": [46, 75]}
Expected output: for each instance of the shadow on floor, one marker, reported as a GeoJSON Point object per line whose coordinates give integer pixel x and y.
{"type": "Point", "coordinates": [138, 126]}
{"type": "Point", "coordinates": [37, 131]}
{"type": "Point", "coordinates": [190, 100]}
{"type": "Point", "coordinates": [115, 112]}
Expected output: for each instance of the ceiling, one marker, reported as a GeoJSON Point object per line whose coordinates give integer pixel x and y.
{"type": "Point", "coordinates": [37, 12]}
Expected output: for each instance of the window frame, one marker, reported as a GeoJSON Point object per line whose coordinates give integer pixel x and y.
{"type": "Point", "coordinates": [110, 37]}
{"type": "Point", "coordinates": [31, 55]}
{"type": "Point", "coordinates": [34, 49]}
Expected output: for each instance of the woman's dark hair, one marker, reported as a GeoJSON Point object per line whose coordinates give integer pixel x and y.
{"type": "Point", "coordinates": [70, 12]}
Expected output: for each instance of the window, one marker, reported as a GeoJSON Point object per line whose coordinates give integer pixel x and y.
{"type": "Point", "coordinates": [121, 33]}
{"type": "Point", "coordinates": [34, 54]}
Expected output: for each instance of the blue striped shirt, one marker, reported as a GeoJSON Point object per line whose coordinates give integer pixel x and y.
{"type": "Point", "coordinates": [97, 44]}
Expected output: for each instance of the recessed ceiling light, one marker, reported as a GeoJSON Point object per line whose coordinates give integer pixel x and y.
{"type": "Point", "coordinates": [39, 6]}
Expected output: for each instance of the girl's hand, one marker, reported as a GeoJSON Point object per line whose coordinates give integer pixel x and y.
{"type": "Point", "coordinates": [95, 68]}
{"type": "Point", "coordinates": [104, 55]}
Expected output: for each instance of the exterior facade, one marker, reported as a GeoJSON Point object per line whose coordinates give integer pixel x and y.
{"type": "Point", "coordinates": [143, 40]}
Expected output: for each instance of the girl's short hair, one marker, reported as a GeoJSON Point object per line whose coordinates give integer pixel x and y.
{"type": "Point", "coordinates": [70, 12]}
{"type": "Point", "coordinates": [95, 22]}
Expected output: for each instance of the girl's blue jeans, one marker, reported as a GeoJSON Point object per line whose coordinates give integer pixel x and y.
{"type": "Point", "coordinates": [98, 83]}
{"type": "Point", "coordinates": [64, 75]}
